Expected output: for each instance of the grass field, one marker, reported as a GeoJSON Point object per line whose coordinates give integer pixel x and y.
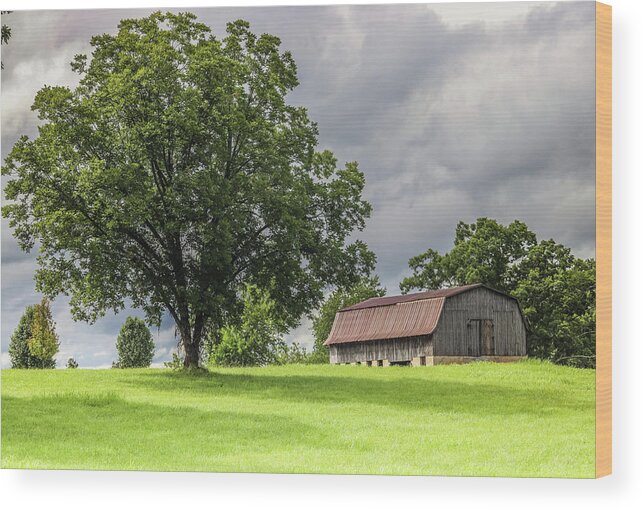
{"type": "Point", "coordinates": [484, 419]}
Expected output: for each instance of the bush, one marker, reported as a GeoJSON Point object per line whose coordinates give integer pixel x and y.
{"type": "Point", "coordinates": [257, 339]}
{"type": "Point", "coordinates": [176, 363]}
{"type": "Point", "coordinates": [18, 348]}
{"type": "Point", "coordinates": [318, 357]}
{"type": "Point", "coordinates": [293, 353]}
{"type": "Point", "coordinates": [72, 363]}
{"type": "Point", "coordinates": [43, 344]}
{"type": "Point", "coordinates": [134, 345]}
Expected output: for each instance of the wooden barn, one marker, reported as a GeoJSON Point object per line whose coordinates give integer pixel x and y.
{"type": "Point", "coordinates": [454, 325]}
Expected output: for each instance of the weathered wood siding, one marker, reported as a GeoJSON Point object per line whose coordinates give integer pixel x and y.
{"type": "Point", "coordinates": [399, 349]}
{"type": "Point", "coordinates": [458, 330]}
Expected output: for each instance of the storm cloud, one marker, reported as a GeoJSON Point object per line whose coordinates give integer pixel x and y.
{"type": "Point", "coordinates": [453, 111]}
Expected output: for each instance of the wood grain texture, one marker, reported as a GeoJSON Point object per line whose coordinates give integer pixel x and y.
{"type": "Point", "coordinates": [603, 239]}
{"type": "Point", "coordinates": [460, 328]}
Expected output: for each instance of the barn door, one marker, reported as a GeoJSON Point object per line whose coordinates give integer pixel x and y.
{"type": "Point", "coordinates": [487, 347]}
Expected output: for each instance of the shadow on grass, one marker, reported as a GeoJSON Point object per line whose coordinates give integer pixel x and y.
{"type": "Point", "coordinates": [406, 393]}
{"type": "Point", "coordinates": [75, 430]}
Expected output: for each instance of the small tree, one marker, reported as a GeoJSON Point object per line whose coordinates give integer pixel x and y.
{"type": "Point", "coordinates": [18, 348]}
{"type": "Point", "coordinates": [256, 340]}
{"type": "Point", "coordinates": [43, 343]}
{"type": "Point", "coordinates": [134, 344]}
{"type": "Point", "coordinates": [72, 363]}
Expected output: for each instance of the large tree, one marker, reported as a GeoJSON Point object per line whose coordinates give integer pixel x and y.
{"type": "Point", "coordinates": [558, 294]}
{"type": "Point", "coordinates": [483, 252]}
{"type": "Point", "coordinates": [175, 172]}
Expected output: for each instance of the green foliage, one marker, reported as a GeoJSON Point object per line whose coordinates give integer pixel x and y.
{"type": "Point", "coordinates": [72, 363]}
{"type": "Point", "coordinates": [176, 363]}
{"type": "Point", "coordinates": [558, 295]}
{"type": "Point", "coordinates": [366, 288]}
{"type": "Point", "coordinates": [483, 252]}
{"type": "Point", "coordinates": [134, 344]}
{"type": "Point", "coordinates": [18, 347]}
{"type": "Point", "coordinates": [318, 356]}
{"type": "Point", "coordinates": [256, 340]}
{"type": "Point", "coordinates": [175, 172]}
{"type": "Point", "coordinates": [43, 343]}
{"type": "Point", "coordinates": [6, 33]}
{"type": "Point", "coordinates": [293, 353]}
{"type": "Point", "coordinates": [556, 289]}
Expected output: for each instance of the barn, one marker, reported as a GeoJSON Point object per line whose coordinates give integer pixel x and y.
{"type": "Point", "coordinates": [454, 325]}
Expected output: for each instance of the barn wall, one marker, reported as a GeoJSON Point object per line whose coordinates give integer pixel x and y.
{"type": "Point", "coordinates": [456, 335]}
{"type": "Point", "coordinates": [400, 349]}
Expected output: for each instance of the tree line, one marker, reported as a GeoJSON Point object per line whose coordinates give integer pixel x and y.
{"type": "Point", "coordinates": [556, 290]}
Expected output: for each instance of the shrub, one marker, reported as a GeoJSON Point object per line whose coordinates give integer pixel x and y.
{"type": "Point", "coordinates": [72, 363]}
{"type": "Point", "coordinates": [318, 357]}
{"type": "Point", "coordinates": [257, 339]}
{"type": "Point", "coordinates": [43, 343]}
{"type": "Point", "coordinates": [18, 348]}
{"type": "Point", "coordinates": [134, 345]}
{"type": "Point", "coordinates": [293, 353]}
{"type": "Point", "coordinates": [176, 363]}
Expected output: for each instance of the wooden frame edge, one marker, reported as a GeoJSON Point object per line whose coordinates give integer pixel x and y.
{"type": "Point", "coordinates": [603, 240]}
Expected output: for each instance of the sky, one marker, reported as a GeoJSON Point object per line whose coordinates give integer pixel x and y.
{"type": "Point", "coordinates": [453, 111]}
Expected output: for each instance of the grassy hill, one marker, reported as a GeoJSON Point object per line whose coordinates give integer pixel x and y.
{"type": "Point", "coordinates": [483, 419]}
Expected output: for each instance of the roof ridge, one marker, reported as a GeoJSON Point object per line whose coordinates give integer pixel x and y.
{"type": "Point", "coordinates": [407, 298]}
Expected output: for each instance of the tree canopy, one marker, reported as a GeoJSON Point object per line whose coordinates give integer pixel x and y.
{"type": "Point", "coordinates": [175, 172]}
{"type": "Point", "coordinates": [558, 294]}
{"type": "Point", "coordinates": [483, 252]}
{"type": "Point", "coordinates": [557, 291]}
{"type": "Point", "coordinates": [5, 34]}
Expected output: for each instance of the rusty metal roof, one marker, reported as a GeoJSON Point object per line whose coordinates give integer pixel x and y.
{"type": "Point", "coordinates": [395, 320]}
{"type": "Point", "coordinates": [394, 316]}
{"type": "Point", "coordinates": [429, 294]}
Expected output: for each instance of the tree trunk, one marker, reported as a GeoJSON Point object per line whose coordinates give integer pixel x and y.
{"type": "Point", "coordinates": [191, 348]}
{"type": "Point", "coordinates": [191, 341]}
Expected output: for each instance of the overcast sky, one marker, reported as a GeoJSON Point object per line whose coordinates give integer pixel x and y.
{"type": "Point", "coordinates": [453, 111]}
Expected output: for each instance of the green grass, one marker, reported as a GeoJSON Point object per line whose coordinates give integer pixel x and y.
{"type": "Point", "coordinates": [482, 419]}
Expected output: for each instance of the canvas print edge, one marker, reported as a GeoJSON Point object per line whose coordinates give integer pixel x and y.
{"type": "Point", "coordinates": [603, 239]}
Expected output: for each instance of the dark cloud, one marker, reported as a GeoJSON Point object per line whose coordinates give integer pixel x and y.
{"type": "Point", "coordinates": [454, 111]}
